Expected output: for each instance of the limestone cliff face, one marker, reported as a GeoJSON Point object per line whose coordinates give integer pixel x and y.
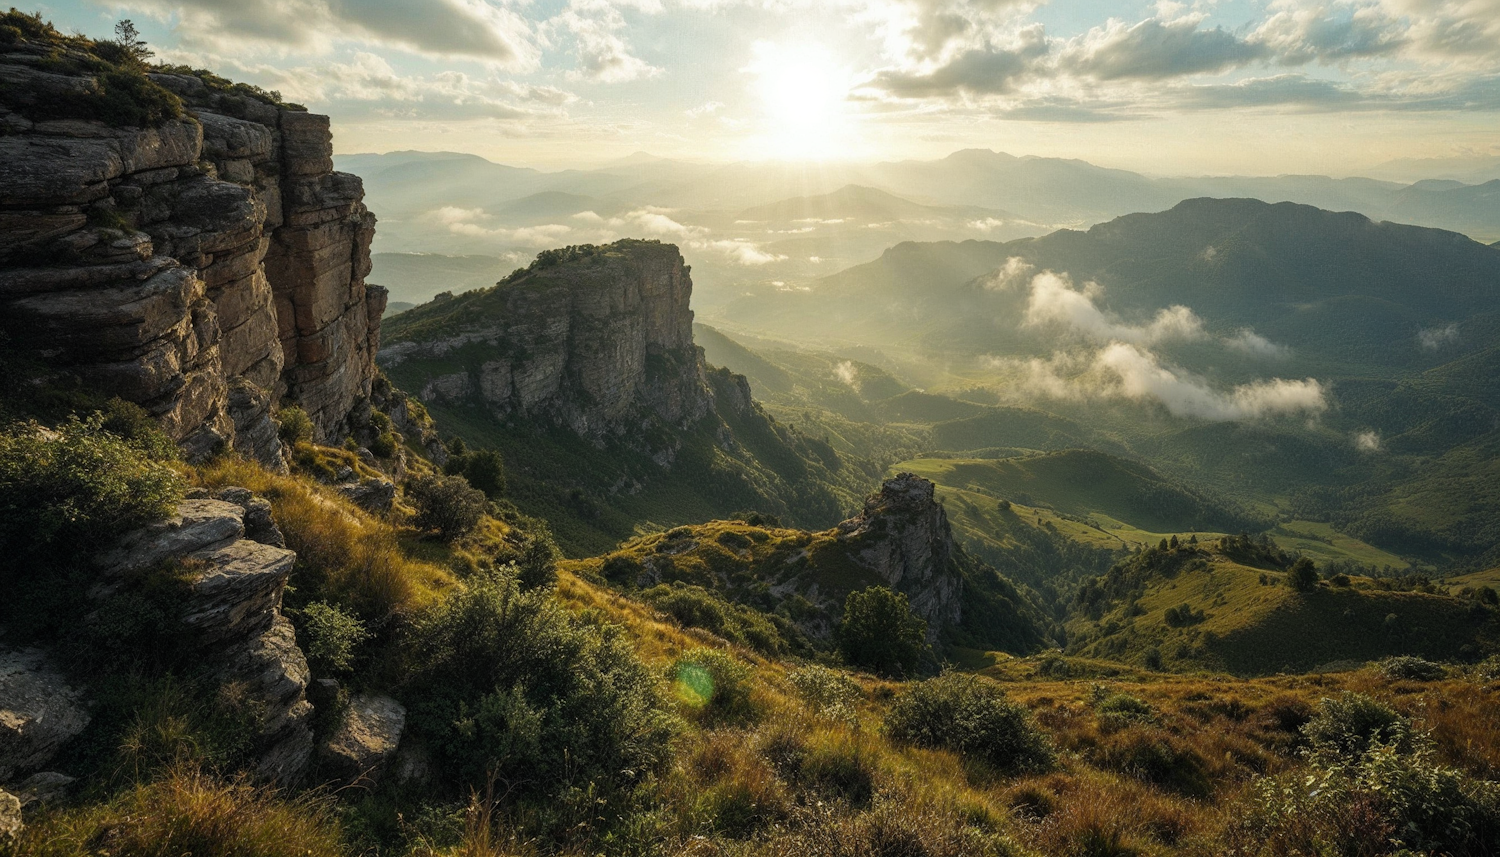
{"type": "Point", "coordinates": [205, 269]}
{"type": "Point", "coordinates": [602, 344]}
{"type": "Point", "coordinates": [903, 535]}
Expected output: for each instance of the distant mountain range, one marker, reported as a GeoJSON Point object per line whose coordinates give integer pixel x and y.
{"type": "Point", "coordinates": [766, 223]}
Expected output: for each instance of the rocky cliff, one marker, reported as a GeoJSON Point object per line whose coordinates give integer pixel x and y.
{"type": "Point", "coordinates": [903, 535]}
{"type": "Point", "coordinates": [900, 539]}
{"type": "Point", "coordinates": [599, 341]}
{"type": "Point", "coordinates": [205, 261]}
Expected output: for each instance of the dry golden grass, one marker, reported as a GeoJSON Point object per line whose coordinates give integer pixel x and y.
{"type": "Point", "coordinates": [187, 812]}
{"type": "Point", "coordinates": [344, 554]}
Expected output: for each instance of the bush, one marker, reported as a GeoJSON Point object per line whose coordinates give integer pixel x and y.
{"type": "Point", "coordinates": [969, 715]}
{"type": "Point", "coordinates": [68, 491]}
{"type": "Point", "coordinates": [295, 426]}
{"type": "Point", "coordinates": [714, 684]}
{"type": "Point", "coordinates": [1303, 575]}
{"type": "Point", "coordinates": [1347, 726]}
{"type": "Point", "coordinates": [1156, 757]}
{"type": "Point", "coordinates": [828, 692]}
{"type": "Point", "coordinates": [507, 685]}
{"type": "Point", "coordinates": [880, 633]}
{"type": "Point", "coordinates": [330, 636]}
{"type": "Point", "coordinates": [484, 468]}
{"type": "Point", "coordinates": [446, 504]}
{"type": "Point", "coordinates": [1120, 708]}
{"type": "Point", "coordinates": [696, 607]}
{"type": "Point", "coordinates": [537, 566]}
{"type": "Point", "coordinates": [1386, 802]}
{"type": "Point", "coordinates": [1410, 668]}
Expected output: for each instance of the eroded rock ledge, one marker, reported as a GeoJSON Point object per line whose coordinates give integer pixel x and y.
{"type": "Point", "coordinates": [205, 269]}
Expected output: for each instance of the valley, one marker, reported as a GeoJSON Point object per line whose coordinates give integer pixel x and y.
{"type": "Point", "coordinates": [412, 504]}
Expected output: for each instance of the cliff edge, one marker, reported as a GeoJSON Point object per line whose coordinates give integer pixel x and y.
{"type": "Point", "coordinates": [181, 242]}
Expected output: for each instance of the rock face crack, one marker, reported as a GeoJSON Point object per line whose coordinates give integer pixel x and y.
{"type": "Point", "coordinates": [205, 269]}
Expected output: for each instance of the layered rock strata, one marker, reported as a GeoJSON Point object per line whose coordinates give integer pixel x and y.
{"type": "Point", "coordinates": [599, 345]}
{"type": "Point", "coordinates": [233, 611]}
{"type": "Point", "coordinates": [205, 269]}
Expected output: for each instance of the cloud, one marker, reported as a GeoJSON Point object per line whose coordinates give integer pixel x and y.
{"type": "Point", "coordinates": [1368, 441]}
{"type": "Point", "coordinates": [472, 222]}
{"type": "Point", "coordinates": [1155, 49]}
{"type": "Point", "coordinates": [368, 86]}
{"type": "Point", "coordinates": [1281, 90]}
{"type": "Point", "coordinates": [1143, 376]}
{"type": "Point", "coordinates": [708, 108]}
{"type": "Point", "coordinates": [1130, 372]}
{"type": "Point", "coordinates": [740, 251]}
{"type": "Point", "coordinates": [1053, 300]}
{"type": "Point", "coordinates": [475, 29]}
{"type": "Point", "coordinates": [985, 70]}
{"type": "Point", "coordinates": [1249, 342]}
{"type": "Point", "coordinates": [1013, 274]}
{"type": "Point", "coordinates": [1433, 338]}
{"type": "Point", "coordinates": [1301, 34]}
{"type": "Point", "coordinates": [845, 372]}
{"type": "Point", "coordinates": [603, 56]}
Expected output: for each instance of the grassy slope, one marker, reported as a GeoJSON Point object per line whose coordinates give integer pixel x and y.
{"type": "Point", "coordinates": [1252, 623]}
{"type": "Point", "coordinates": [770, 568]}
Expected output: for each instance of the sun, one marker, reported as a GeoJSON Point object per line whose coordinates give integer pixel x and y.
{"type": "Point", "coordinates": [803, 94]}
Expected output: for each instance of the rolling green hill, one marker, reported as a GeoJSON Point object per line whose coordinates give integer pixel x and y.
{"type": "Point", "coordinates": [1230, 608]}
{"type": "Point", "coordinates": [1085, 483]}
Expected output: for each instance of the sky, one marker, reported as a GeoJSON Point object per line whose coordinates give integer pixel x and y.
{"type": "Point", "coordinates": [1168, 88]}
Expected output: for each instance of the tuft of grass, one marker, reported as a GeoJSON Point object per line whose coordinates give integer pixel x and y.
{"type": "Point", "coordinates": [187, 811]}
{"type": "Point", "coordinates": [345, 556]}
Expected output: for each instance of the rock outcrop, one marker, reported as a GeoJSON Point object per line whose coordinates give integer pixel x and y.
{"type": "Point", "coordinates": [233, 611]}
{"type": "Point", "coordinates": [39, 711]}
{"type": "Point", "coordinates": [903, 535]}
{"type": "Point", "coordinates": [206, 268]}
{"type": "Point", "coordinates": [600, 344]}
{"type": "Point", "coordinates": [360, 750]}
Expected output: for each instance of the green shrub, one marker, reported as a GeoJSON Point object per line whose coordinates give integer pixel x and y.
{"type": "Point", "coordinates": [1346, 726]}
{"type": "Point", "coordinates": [839, 768]}
{"type": "Point", "coordinates": [446, 505]}
{"type": "Point", "coordinates": [330, 636]}
{"type": "Point", "coordinates": [484, 468]}
{"type": "Point", "coordinates": [1303, 575]}
{"type": "Point", "coordinates": [1120, 708]}
{"type": "Point", "coordinates": [508, 685]}
{"type": "Point", "coordinates": [880, 633]}
{"type": "Point", "coordinates": [969, 715]}
{"type": "Point", "coordinates": [295, 426]}
{"type": "Point", "coordinates": [537, 566]}
{"type": "Point", "coordinates": [713, 684]}
{"type": "Point", "coordinates": [828, 692]}
{"type": "Point", "coordinates": [1157, 757]}
{"type": "Point", "coordinates": [385, 444]}
{"type": "Point", "coordinates": [1387, 802]}
{"type": "Point", "coordinates": [68, 491]}
{"type": "Point", "coordinates": [1410, 668]}
{"type": "Point", "coordinates": [696, 607]}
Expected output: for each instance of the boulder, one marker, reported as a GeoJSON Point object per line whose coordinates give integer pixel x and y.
{"type": "Point", "coordinates": [196, 525]}
{"type": "Point", "coordinates": [372, 495]}
{"type": "Point", "coordinates": [44, 788]}
{"type": "Point", "coordinates": [358, 752]}
{"type": "Point", "coordinates": [10, 819]}
{"type": "Point", "coordinates": [39, 711]}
